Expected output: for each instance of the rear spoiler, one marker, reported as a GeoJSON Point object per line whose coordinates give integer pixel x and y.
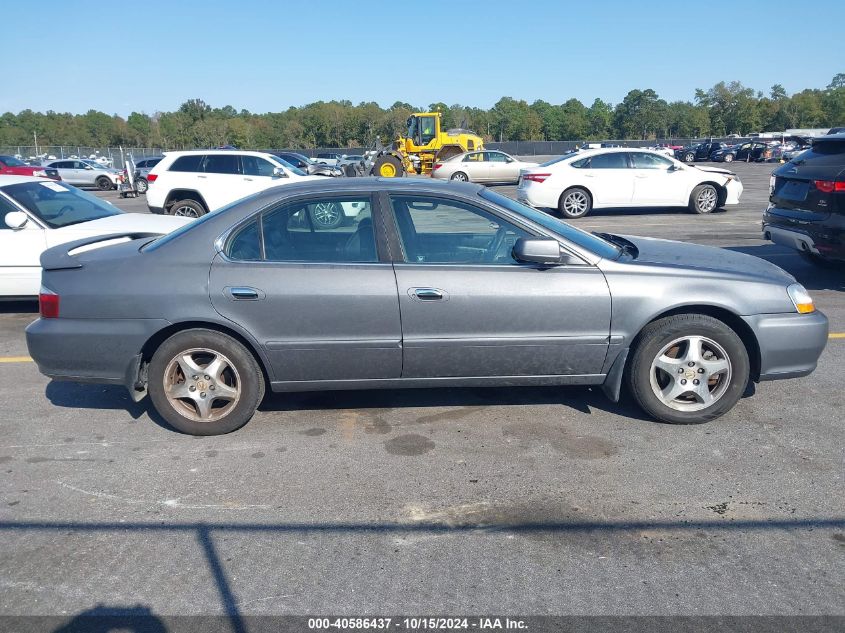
{"type": "Point", "coordinates": [59, 257]}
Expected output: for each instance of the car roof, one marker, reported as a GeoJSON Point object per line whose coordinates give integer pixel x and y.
{"type": "Point", "coordinates": [14, 180]}
{"type": "Point", "coordinates": [222, 152]}
{"type": "Point", "coordinates": [839, 136]}
{"type": "Point", "coordinates": [369, 183]}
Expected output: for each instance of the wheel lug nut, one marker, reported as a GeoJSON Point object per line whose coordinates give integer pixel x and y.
{"type": "Point", "coordinates": [695, 382]}
{"type": "Point", "coordinates": [683, 381]}
{"type": "Point", "coordinates": [691, 364]}
{"type": "Point", "coordinates": [202, 394]}
{"type": "Point", "coordinates": [701, 370]}
{"type": "Point", "coordinates": [211, 387]}
{"type": "Point", "coordinates": [192, 388]}
{"type": "Point", "coordinates": [195, 377]}
{"type": "Point", "coordinates": [680, 370]}
{"type": "Point", "coordinates": [206, 377]}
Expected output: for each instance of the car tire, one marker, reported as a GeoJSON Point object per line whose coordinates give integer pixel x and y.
{"type": "Point", "coordinates": [195, 405]}
{"type": "Point", "coordinates": [188, 208]}
{"type": "Point", "coordinates": [326, 215]}
{"type": "Point", "coordinates": [388, 166]}
{"type": "Point", "coordinates": [689, 157]}
{"type": "Point", "coordinates": [459, 176]}
{"type": "Point", "coordinates": [104, 183]}
{"type": "Point", "coordinates": [669, 356]}
{"type": "Point", "coordinates": [141, 185]}
{"type": "Point", "coordinates": [729, 158]}
{"type": "Point", "coordinates": [575, 203]}
{"type": "Point", "coordinates": [704, 199]}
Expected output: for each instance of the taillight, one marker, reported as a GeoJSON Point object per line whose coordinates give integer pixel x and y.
{"type": "Point", "coordinates": [829, 186]}
{"type": "Point", "coordinates": [535, 177]}
{"type": "Point", "coordinates": [151, 178]}
{"type": "Point", "coordinates": [437, 166]}
{"type": "Point", "coordinates": [48, 304]}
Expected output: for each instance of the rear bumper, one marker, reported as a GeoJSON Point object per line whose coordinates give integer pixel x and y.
{"type": "Point", "coordinates": [825, 237]}
{"type": "Point", "coordinates": [790, 344]}
{"type": "Point", "coordinates": [90, 350]}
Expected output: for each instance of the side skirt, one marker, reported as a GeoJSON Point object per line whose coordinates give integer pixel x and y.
{"type": "Point", "coordinates": [414, 383]}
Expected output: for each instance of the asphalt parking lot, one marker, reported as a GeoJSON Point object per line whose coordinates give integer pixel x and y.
{"type": "Point", "coordinates": [522, 501]}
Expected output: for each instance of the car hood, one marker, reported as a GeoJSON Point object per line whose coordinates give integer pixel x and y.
{"type": "Point", "coordinates": [715, 170]}
{"type": "Point", "coordinates": [706, 258]}
{"type": "Point", "coordinates": [127, 223]}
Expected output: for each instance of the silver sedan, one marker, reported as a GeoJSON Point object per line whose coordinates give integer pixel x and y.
{"type": "Point", "coordinates": [86, 173]}
{"type": "Point", "coordinates": [483, 166]}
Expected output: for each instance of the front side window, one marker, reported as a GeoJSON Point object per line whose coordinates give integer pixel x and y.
{"type": "Point", "coordinates": [221, 164]}
{"type": "Point", "coordinates": [641, 160]}
{"type": "Point", "coordinates": [441, 231]}
{"type": "Point", "coordinates": [5, 207]}
{"type": "Point", "coordinates": [187, 163]}
{"type": "Point", "coordinates": [497, 157]}
{"type": "Point", "coordinates": [255, 166]}
{"type": "Point", "coordinates": [426, 129]}
{"type": "Point", "coordinates": [58, 205]}
{"type": "Point", "coordinates": [612, 160]}
{"type": "Point", "coordinates": [331, 230]}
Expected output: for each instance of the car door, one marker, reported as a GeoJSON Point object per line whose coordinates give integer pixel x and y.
{"type": "Point", "coordinates": [258, 173]}
{"type": "Point", "coordinates": [220, 180]}
{"type": "Point", "coordinates": [469, 309]}
{"type": "Point", "coordinates": [322, 302]}
{"type": "Point", "coordinates": [500, 169]}
{"type": "Point", "coordinates": [20, 252]}
{"type": "Point", "coordinates": [476, 167]}
{"type": "Point", "coordinates": [609, 179]}
{"type": "Point", "coordinates": [66, 170]}
{"type": "Point", "coordinates": [657, 181]}
{"type": "Point", "coordinates": [86, 174]}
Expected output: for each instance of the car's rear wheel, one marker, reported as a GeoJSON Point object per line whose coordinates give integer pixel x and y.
{"type": "Point", "coordinates": [187, 208]}
{"type": "Point", "coordinates": [326, 215]}
{"type": "Point", "coordinates": [575, 203]}
{"type": "Point", "coordinates": [141, 185]}
{"type": "Point", "coordinates": [688, 369]}
{"type": "Point", "coordinates": [460, 176]}
{"type": "Point", "coordinates": [704, 199]}
{"type": "Point", "coordinates": [104, 184]}
{"type": "Point", "coordinates": [204, 382]}
{"type": "Point", "coordinates": [729, 158]}
{"type": "Point", "coordinates": [689, 157]}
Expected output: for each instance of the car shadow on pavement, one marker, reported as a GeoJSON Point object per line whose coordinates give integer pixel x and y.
{"type": "Point", "coordinates": [811, 276]}
{"type": "Point", "coordinates": [72, 395]}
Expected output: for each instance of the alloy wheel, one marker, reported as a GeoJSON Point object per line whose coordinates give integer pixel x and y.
{"type": "Point", "coordinates": [707, 199]}
{"type": "Point", "coordinates": [202, 385]}
{"type": "Point", "coordinates": [691, 373]}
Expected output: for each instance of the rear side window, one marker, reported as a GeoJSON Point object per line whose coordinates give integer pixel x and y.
{"type": "Point", "coordinates": [221, 164]}
{"type": "Point", "coordinates": [187, 163]}
{"type": "Point", "coordinates": [614, 160]}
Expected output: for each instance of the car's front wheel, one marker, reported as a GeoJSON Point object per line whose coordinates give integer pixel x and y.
{"type": "Point", "coordinates": [104, 183]}
{"type": "Point", "coordinates": [704, 199]}
{"type": "Point", "coordinates": [204, 382]}
{"type": "Point", "coordinates": [729, 158]}
{"type": "Point", "coordinates": [688, 369]}
{"type": "Point", "coordinates": [326, 215]}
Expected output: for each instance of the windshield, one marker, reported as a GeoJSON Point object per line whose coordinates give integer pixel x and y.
{"type": "Point", "coordinates": [282, 162]}
{"type": "Point", "coordinates": [11, 161]}
{"type": "Point", "coordinates": [591, 242]}
{"type": "Point", "coordinates": [58, 205]}
{"type": "Point", "coordinates": [559, 158]}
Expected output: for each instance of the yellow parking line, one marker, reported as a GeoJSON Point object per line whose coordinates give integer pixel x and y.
{"type": "Point", "coordinates": [836, 335]}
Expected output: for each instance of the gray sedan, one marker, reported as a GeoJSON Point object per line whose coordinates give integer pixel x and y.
{"type": "Point", "coordinates": [486, 166]}
{"type": "Point", "coordinates": [86, 173]}
{"type": "Point", "coordinates": [431, 285]}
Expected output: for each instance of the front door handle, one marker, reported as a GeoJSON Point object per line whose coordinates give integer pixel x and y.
{"type": "Point", "coordinates": [245, 293]}
{"type": "Point", "coordinates": [428, 294]}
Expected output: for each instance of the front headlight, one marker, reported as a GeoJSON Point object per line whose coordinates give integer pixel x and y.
{"type": "Point", "coordinates": [801, 299]}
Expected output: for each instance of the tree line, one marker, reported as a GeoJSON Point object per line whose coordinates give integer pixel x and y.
{"type": "Point", "coordinates": [726, 108]}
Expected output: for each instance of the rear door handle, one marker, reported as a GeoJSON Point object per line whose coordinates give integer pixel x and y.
{"type": "Point", "coordinates": [427, 294]}
{"type": "Point", "coordinates": [245, 293]}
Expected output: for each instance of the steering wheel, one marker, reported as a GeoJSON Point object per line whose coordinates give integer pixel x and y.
{"type": "Point", "coordinates": [496, 244]}
{"type": "Point", "coordinates": [65, 209]}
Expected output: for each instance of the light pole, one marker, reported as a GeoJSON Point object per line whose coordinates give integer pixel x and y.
{"type": "Point", "coordinates": [35, 138]}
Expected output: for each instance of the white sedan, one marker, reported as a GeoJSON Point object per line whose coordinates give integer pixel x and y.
{"type": "Point", "coordinates": [36, 214]}
{"type": "Point", "coordinates": [625, 177]}
{"type": "Point", "coordinates": [484, 166]}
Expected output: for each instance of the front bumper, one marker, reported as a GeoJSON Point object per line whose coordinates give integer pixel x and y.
{"type": "Point", "coordinates": [790, 344]}
{"type": "Point", "coordinates": [90, 350]}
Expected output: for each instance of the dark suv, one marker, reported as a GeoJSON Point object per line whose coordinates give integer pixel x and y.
{"type": "Point", "coordinates": [807, 203]}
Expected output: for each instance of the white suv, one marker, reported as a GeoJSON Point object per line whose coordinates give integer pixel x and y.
{"type": "Point", "coordinates": [196, 182]}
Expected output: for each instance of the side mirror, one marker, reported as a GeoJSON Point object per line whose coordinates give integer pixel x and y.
{"type": "Point", "coordinates": [537, 250]}
{"type": "Point", "coordinates": [89, 168]}
{"type": "Point", "coordinates": [16, 220]}
{"type": "Point", "coordinates": [278, 172]}
{"type": "Point", "coordinates": [674, 167]}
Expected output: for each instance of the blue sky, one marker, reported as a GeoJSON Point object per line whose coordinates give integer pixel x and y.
{"type": "Point", "coordinates": [75, 55]}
